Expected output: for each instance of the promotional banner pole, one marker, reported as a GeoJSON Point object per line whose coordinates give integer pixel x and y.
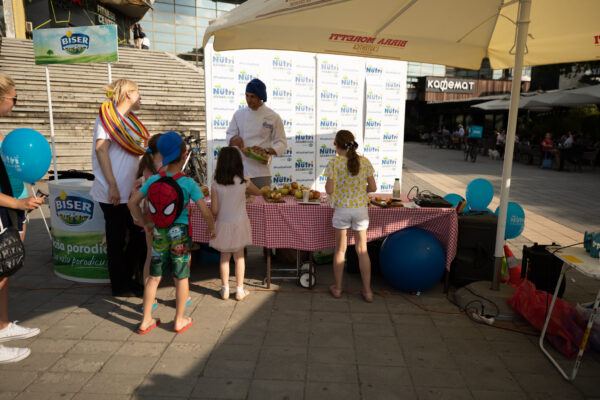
{"type": "Point", "coordinates": [109, 73]}
{"type": "Point", "coordinates": [51, 122]}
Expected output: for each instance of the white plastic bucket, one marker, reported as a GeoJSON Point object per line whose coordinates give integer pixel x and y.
{"type": "Point", "coordinates": [78, 248]}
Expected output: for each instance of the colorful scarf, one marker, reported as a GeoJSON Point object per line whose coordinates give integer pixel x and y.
{"type": "Point", "coordinates": [128, 132]}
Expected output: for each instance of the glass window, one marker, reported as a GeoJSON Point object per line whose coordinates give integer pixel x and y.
{"type": "Point", "coordinates": [170, 47]}
{"type": "Point", "coordinates": [186, 30]}
{"type": "Point", "coordinates": [183, 39]}
{"type": "Point", "coordinates": [146, 25]}
{"type": "Point", "coordinates": [439, 70]}
{"type": "Point", "coordinates": [202, 21]}
{"type": "Point", "coordinates": [185, 20]}
{"type": "Point", "coordinates": [163, 17]}
{"type": "Point", "coordinates": [164, 37]}
{"type": "Point", "coordinates": [164, 27]}
{"type": "Point", "coordinates": [163, 7]}
{"type": "Point", "coordinates": [200, 33]}
{"type": "Point", "coordinates": [147, 16]}
{"type": "Point", "coordinates": [185, 10]}
{"type": "Point", "coordinates": [190, 3]}
{"type": "Point", "coordinates": [225, 6]}
{"type": "Point", "coordinates": [203, 12]}
{"type": "Point", "coordinates": [205, 4]}
{"type": "Point", "coordinates": [184, 49]}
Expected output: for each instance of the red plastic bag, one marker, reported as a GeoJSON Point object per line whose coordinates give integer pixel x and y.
{"type": "Point", "coordinates": [566, 327]}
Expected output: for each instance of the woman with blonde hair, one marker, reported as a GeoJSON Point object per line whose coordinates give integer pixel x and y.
{"type": "Point", "coordinates": [119, 140]}
{"type": "Point", "coordinates": [10, 330]}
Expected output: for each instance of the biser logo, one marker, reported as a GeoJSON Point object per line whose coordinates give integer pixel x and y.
{"type": "Point", "coordinates": [279, 179]}
{"type": "Point", "coordinates": [325, 151]}
{"type": "Point", "coordinates": [219, 123]}
{"type": "Point", "coordinates": [73, 210]}
{"type": "Point", "coordinates": [75, 43]}
{"type": "Point", "coordinates": [304, 165]}
{"type": "Point", "coordinates": [222, 61]}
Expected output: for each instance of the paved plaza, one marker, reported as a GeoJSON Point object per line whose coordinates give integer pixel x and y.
{"type": "Point", "coordinates": [290, 343]}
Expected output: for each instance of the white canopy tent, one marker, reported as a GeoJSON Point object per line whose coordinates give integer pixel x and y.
{"type": "Point", "coordinates": [460, 33]}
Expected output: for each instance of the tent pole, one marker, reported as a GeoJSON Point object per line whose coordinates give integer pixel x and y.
{"type": "Point", "coordinates": [515, 93]}
{"type": "Point", "coordinates": [51, 122]}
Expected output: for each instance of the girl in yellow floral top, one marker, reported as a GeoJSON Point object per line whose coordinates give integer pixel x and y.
{"type": "Point", "coordinates": [349, 180]}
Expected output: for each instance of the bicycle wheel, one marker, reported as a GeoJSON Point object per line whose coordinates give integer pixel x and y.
{"type": "Point", "coordinates": [467, 151]}
{"type": "Point", "coordinates": [473, 154]}
{"type": "Point", "coordinates": [197, 170]}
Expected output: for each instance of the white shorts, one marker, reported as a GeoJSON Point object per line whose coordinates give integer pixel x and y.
{"type": "Point", "coordinates": [355, 218]}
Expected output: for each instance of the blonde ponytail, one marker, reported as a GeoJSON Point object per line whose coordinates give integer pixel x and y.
{"type": "Point", "coordinates": [117, 90]}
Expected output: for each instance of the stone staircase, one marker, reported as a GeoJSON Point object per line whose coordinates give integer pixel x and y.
{"type": "Point", "coordinates": [172, 93]}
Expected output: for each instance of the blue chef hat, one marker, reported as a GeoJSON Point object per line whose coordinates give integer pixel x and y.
{"type": "Point", "coordinates": [257, 87]}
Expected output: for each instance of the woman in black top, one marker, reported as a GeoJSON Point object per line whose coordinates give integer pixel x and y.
{"type": "Point", "coordinates": [138, 34]}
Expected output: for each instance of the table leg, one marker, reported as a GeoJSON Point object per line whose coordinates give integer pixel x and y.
{"type": "Point", "coordinates": [311, 270]}
{"type": "Point", "coordinates": [586, 336]}
{"type": "Point", "coordinates": [564, 269]}
{"type": "Point", "coordinates": [268, 268]}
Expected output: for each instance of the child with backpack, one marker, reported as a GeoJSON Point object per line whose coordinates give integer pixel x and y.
{"type": "Point", "coordinates": [168, 194]}
{"type": "Point", "coordinates": [228, 204]}
{"type": "Point", "coordinates": [349, 180]}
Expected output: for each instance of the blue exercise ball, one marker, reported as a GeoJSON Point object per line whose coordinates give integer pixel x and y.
{"type": "Point", "coordinates": [26, 154]}
{"type": "Point", "coordinates": [412, 259]}
{"type": "Point", "coordinates": [453, 198]}
{"type": "Point", "coordinates": [480, 193]}
{"type": "Point", "coordinates": [515, 220]}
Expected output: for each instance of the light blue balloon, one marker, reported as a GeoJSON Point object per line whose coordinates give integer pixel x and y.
{"type": "Point", "coordinates": [480, 193]}
{"type": "Point", "coordinates": [515, 220]}
{"type": "Point", "coordinates": [453, 198]}
{"type": "Point", "coordinates": [26, 154]}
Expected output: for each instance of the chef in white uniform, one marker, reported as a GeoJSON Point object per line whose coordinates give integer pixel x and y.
{"type": "Point", "coordinates": [259, 127]}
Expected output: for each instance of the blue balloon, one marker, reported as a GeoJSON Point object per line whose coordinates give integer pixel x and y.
{"type": "Point", "coordinates": [412, 259]}
{"type": "Point", "coordinates": [480, 193]}
{"type": "Point", "coordinates": [515, 220]}
{"type": "Point", "coordinates": [453, 198]}
{"type": "Point", "coordinates": [26, 154]}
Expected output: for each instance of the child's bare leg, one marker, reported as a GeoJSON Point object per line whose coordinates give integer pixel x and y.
{"type": "Point", "coordinates": [146, 271]}
{"type": "Point", "coordinates": [338, 260]}
{"type": "Point", "coordinates": [364, 263]}
{"type": "Point", "coordinates": [224, 265]}
{"type": "Point", "coordinates": [182, 290]}
{"type": "Point", "coordinates": [149, 296]}
{"type": "Point", "coordinates": [240, 267]}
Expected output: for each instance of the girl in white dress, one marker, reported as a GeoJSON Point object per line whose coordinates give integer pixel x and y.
{"type": "Point", "coordinates": [228, 205]}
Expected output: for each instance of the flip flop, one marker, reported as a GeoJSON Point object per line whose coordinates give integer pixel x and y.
{"type": "Point", "coordinates": [148, 329]}
{"type": "Point", "coordinates": [335, 292]}
{"type": "Point", "coordinates": [185, 328]}
{"type": "Point", "coordinates": [367, 297]}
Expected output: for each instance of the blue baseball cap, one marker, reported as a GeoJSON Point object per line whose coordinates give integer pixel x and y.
{"type": "Point", "coordinates": [169, 146]}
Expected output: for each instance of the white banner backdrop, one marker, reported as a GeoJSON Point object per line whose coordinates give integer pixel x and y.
{"type": "Point", "coordinates": [315, 95]}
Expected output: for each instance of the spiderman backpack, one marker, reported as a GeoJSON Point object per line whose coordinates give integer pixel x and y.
{"type": "Point", "coordinates": [165, 200]}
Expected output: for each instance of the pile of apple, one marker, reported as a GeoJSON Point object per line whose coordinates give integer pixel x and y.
{"type": "Point", "coordinates": [288, 189]}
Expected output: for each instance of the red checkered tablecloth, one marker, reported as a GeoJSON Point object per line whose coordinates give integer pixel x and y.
{"type": "Point", "coordinates": [308, 227]}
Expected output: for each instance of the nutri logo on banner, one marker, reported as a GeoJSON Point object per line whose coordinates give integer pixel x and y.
{"type": "Point", "coordinates": [327, 125]}
{"type": "Point", "coordinates": [306, 110]}
{"type": "Point", "coordinates": [304, 165]}
{"type": "Point", "coordinates": [388, 164]}
{"type": "Point", "coordinates": [393, 86]}
{"type": "Point", "coordinates": [287, 154]}
{"type": "Point", "coordinates": [281, 65]}
{"type": "Point", "coordinates": [391, 112]}
{"type": "Point", "coordinates": [223, 62]}
{"type": "Point", "coordinates": [386, 185]}
{"type": "Point", "coordinates": [280, 180]}
{"type": "Point", "coordinates": [326, 152]}
{"type": "Point", "coordinates": [371, 151]}
{"type": "Point", "coordinates": [220, 124]}
{"type": "Point", "coordinates": [390, 138]}
{"type": "Point", "coordinates": [330, 69]}
{"type": "Point", "coordinates": [327, 96]}
{"type": "Point", "coordinates": [304, 81]}
{"type": "Point", "coordinates": [348, 112]}
{"type": "Point", "coordinates": [282, 95]}
{"type": "Point", "coordinates": [372, 127]}
{"type": "Point", "coordinates": [349, 84]}
{"type": "Point", "coordinates": [373, 71]}
{"type": "Point", "coordinates": [304, 138]}
{"type": "Point", "coordinates": [374, 98]}
{"type": "Point", "coordinates": [223, 93]}
{"type": "Point", "coordinates": [244, 77]}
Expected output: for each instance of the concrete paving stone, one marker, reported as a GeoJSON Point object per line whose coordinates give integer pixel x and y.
{"type": "Point", "coordinates": [472, 347]}
{"type": "Point", "coordinates": [371, 318]}
{"type": "Point", "coordinates": [16, 381]}
{"type": "Point", "coordinates": [398, 305]}
{"type": "Point", "coordinates": [104, 347]}
{"type": "Point", "coordinates": [461, 332]}
{"type": "Point", "coordinates": [293, 301]}
{"type": "Point", "coordinates": [291, 316]}
{"type": "Point", "coordinates": [488, 377]}
{"type": "Point", "coordinates": [164, 386]}
{"type": "Point", "coordinates": [276, 390]}
{"type": "Point", "coordinates": [191, 350]}
{"type": "Point", "coordinates": [284, 338]}
{"type": "Point", "coordinates": [8, 395]}
{"type": "Point", "coordinates": [494, 334]}
{"type": "Point", "coordinates": [43, 396]}
{"type": "Point", "coordinates": [557, 396]}
{"type": "Point", "coordinates": [499, 395]}
{"type": "Point", "coordinates": [248, 320]}
{"type": "Point", "coordinates": [136, 349]}
{"type": "Point", "coordinates": [325, 372]}
{"type": "Point", "coordinates": [283, 353]}
{"type": "Point", "coordinates": [59, 382]}
{"type": "Point", "coordinates": [338, 355]}
{"type": "Point", "coordinates": [539, 383]}
{"type": "Point", "coordinates": [96, 396]}
{"type": "Point", "coordinates": [391, 356]}
{"type": "Point", "coordinates": [80, 362]}
{"type": "Point", "coordinates": [359, 305]}
{"type": "Point", "coordinates": [126, 364]}
{"type": "Point", "coordinates": [324, 302]}
{"type": "Point", "coordinates": [105, 383]}
{"type": "Point", "coordinates": [41, 319]}
{"type": "Point", "coordinates": [328, 316]}
{"type": "Point", "coordinates": [221, 388]}
{"type": "Point", "coordinates": [289, 327]}
{"type": "Point", "coordinates": [526, 363]}
{"type": "Point", "coordinates": [216, 368]}
{"type": "Point", "coordinates": [382, 391]}
{"type": "Point", "coordinates": [280, 369]}
{"type": "Point", "coordinates": [162, 334]}
{"type": "Point", "coordinates": [36, 362]}
{"type": "Point", "coordinates": [332, 391]}
{"type": "Point", "coordinates": [329, 327]}
{"type": "Point", "coordinates": [111, 328]}
{"type": "Point", "coordinates": [373, 329]}
{"type": "Point", "coordinates": [199, 335]}
{"type": "Point", "coordinates": [384, 374]}
{"type": "Point", "coordinates": [518, 346]}
{"type": "Point", "coordinates": [241, 337]}
{"type": "Point", "coordinates": [453, 320]}
{"type": "Point", "coordinates": [440, 378]}
{"type": "Point", "coordinates": [416, 320]}
{"type": "Point", "coordinates": [343, 338]}
{"type": "Point", "coordinates": [431, 393]}
{"type": "Point", "coordinates": [435, 358]}
{"type": "Point", "coordinates": [45, 345]}
{"type": "Point", "coordinates": [179, 367]}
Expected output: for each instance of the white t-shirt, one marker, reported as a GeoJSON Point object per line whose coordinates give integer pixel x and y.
{"type": "Point", "coordinates": [124, 167]}
{"type": "Point", "coordinates": [263, 128]}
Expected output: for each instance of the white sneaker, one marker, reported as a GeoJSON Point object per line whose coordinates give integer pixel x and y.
{"type": "Point", "coordinates": [13, 354]}
{"type": "Point", "coordinates": [14, 331]}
